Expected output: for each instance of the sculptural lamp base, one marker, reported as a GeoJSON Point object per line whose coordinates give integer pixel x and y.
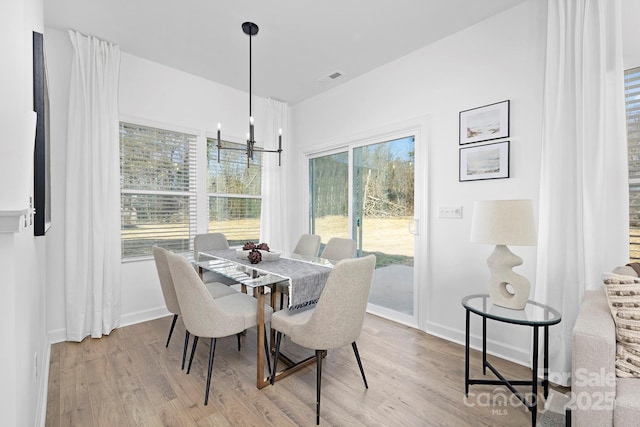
{"type": "Point", "coordinates": [507, 288]}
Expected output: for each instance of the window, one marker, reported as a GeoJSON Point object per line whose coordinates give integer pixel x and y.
{"type": "Point", "coordinates": [632, 102]}
{"type": "Point", "coordinates": [234, 191]}
{"type": "Point", "coordinates": [157, 189]}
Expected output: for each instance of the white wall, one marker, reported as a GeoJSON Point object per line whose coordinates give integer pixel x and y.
{"type": "Point", "coordinates": [58, 103]}
{"type": "Point", "coordinates": [149, 94]}
{"type": "Point", "coordinates": [24, 347]}
{"type": "Point", "coordinates": [631, 33]}
{"type": "Point", "coordinates": [498, 59]}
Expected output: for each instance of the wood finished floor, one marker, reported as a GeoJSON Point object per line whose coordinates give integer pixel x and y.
{"type": "Point", "coordinates": [130, 379]}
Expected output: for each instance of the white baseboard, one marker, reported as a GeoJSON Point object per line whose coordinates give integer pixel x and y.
{"type": "Point", "coordinates": [57, 336]}
{"type": "Point", "coordinates": [43, 384]}
{"type": "Point", "coordinates": [60, 335]}
{"type": "Point", "coordinates": [143, 316]}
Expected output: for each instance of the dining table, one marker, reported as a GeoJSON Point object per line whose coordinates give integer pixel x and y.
{"type": "Point", "coordinates": [305, 277]}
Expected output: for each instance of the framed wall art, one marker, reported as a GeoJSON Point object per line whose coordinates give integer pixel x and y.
{"type": "Point", "coordinates": [489, 161]}
{"type": "Point", "coordinates": [484, 123]}
{"type": "Point", "coordinates": [41, 155]}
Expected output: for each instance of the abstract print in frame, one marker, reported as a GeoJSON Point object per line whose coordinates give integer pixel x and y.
{"type": "Point", "coordinates": [484, 123]}
{"type": "Point", "coordinates": [490, 161]}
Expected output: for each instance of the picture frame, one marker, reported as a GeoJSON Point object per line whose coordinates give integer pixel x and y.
{"type": "Point", "coordinates": [488, 161]}
{"type": "Point", "coordinates": [484, 123]}
{"type": "Point", "coordinates": [41, 154]}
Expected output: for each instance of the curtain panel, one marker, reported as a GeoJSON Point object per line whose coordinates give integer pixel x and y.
{"type": "Point", "coordinates": [274, 216]}
{"type": "Point", "coordinates": [92, 184]}
{"type": "Point", "coordinates": [584, 200]}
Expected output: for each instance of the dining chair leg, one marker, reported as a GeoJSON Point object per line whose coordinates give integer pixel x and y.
{"type": "Point", "coordinates": [318, 380]}
{"type": "Point", "coordinates": [266, 351]}
{"type": "Point", "coordinates": [173, 324]}
{"type": "Point", "coordinates": [193, 351]}
{"type": "Point", "coordinates": [238, 335]}
{"type": "Point", "coordinates": [276, 356]}
{"type": "Point", "coordinates": [212, 350]}
{"type": "Point", "coordinates": [184, 351]}
{"type": "Point", "coordinates": [355, 351]}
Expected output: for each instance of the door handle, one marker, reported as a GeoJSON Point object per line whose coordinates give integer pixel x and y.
{"type": "Point", "coordinates": [414, 230]}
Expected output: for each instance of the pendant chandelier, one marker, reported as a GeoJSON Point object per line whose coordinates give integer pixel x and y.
{"type": "Point", "coordinates": [251, 29]}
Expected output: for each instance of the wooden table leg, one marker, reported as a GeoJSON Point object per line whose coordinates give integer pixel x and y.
{"type": "Point", "coordinates": [273, 296]}
{"type": "Point", "coordinates": [260, 356]}
{"type": "Point", "coordinates": [291, 365]}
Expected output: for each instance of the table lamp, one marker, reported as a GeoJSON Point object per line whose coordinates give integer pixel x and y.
{"type": "Point", "coordinates": [502, 223]}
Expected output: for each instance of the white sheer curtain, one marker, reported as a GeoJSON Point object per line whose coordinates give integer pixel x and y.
{"type": "Point", "coordinates": [92, 182]}
{"type": "Point", "coordinates": [583, 221]}
{"type": "Point", "coordinates": [273, 221]}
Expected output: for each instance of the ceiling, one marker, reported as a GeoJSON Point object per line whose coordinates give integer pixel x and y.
{"type": "Point", "coordinates": [299, 42]}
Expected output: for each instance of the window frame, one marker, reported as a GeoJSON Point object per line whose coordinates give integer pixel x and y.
{"type": "Point", "coordinates": [200, 196]}
{"type": "Point", "coordinates": [191, 193]}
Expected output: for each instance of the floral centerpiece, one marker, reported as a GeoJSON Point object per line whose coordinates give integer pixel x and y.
{"type": "Point", "coordinates": [259, 252]}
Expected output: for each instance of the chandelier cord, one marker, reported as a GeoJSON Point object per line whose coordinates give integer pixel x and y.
{"type": "Point", "coordinates": [250, 68]}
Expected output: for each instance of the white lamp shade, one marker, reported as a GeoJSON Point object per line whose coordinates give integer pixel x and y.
{"type": "Point", "coordinates": [503, 222]}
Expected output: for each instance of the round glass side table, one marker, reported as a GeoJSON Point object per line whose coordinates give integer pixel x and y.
{"type": "Point", "coordinates": [534, 315]}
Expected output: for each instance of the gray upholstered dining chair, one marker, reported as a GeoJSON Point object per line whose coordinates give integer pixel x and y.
{"type": "Point", "coordinates": [211, 242]}
{"type": "Point", "coordinates": [217, 290]}
{"type": "Point", "coordinates": [208, 317]}
{"type": "Point", "coordinates": [338, 248]}
{"type": "Point", "coordinates": [307, 246]}
{"type": "Point", "coordinates": [336, 319]}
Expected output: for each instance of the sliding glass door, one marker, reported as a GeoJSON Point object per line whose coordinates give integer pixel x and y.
{"type": "Point", "coordinates": [367, 193]}
{"type": "Point", "coordinates": [329, 191]}
{"type": "Point", "coordinates": [383, 218]}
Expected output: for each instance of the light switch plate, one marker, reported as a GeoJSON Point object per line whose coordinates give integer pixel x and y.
{"type": "Point", "coordinates": [450, 212]}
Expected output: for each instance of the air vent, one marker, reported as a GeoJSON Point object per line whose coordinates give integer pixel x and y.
{"type": "Point", "coordinates": [331, 76]}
